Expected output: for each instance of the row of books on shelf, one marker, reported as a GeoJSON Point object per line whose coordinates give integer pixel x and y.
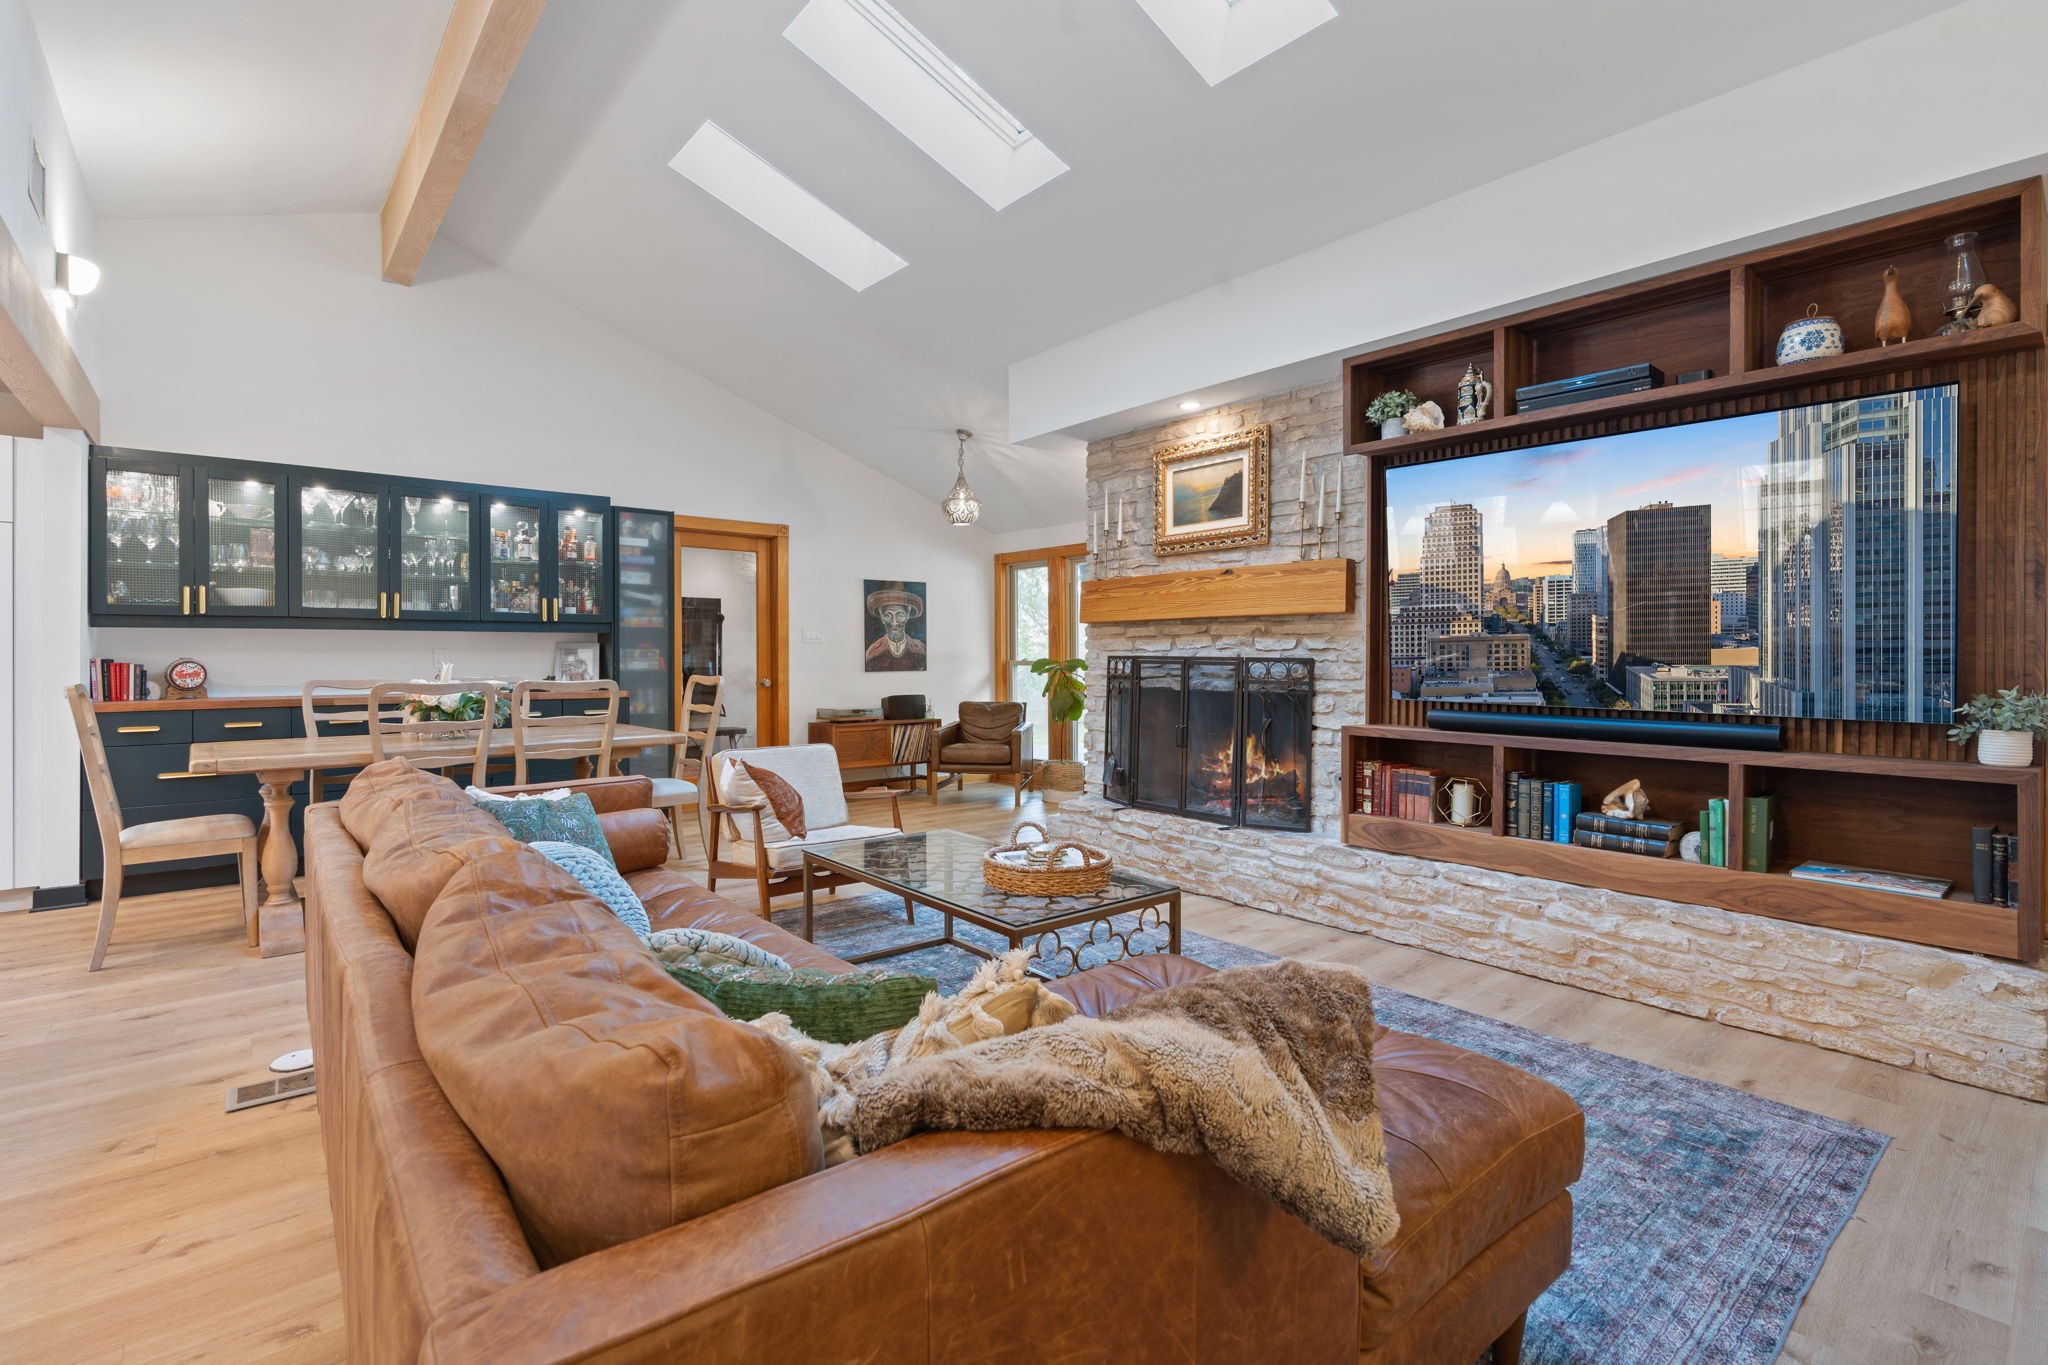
{"type": "Point", "coordinates": [1402, 790]}
{"type": "Point", "coordinates": [1553, 812]}
{"type": "Point", "coordinates": [110, 680]}
{"type": "Point", "coordinates": [1994, 866]}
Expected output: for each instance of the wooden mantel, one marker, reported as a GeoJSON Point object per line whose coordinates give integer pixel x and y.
{"type": "Point", "coordinates": [1315, 587]}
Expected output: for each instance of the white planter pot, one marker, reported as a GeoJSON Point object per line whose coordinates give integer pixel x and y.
{"type": "Point", "coordinates": [2005, 748]}
{"type": "Point", "coordinates": [1392, 427]}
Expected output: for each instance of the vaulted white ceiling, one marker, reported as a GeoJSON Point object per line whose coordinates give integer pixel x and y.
{"type": "Point", "coordinates": [1173, 185]}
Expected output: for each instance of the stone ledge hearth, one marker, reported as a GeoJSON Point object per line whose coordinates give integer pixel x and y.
{"type": "Point", "coordinates": [1954, 1015]}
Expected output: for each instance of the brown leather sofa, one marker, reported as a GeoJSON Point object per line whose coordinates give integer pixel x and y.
{"type": "Point", "coordinates": [990, 738]}
{"type": "Point", "coordinates": [947, 1247]}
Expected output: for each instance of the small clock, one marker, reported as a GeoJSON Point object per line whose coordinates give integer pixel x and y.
{"type": "Point", "coordinates": [185, 678]}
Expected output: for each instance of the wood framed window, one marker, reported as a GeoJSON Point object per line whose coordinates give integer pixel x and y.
{"type": "Point", "coordinates": [1038, 615]}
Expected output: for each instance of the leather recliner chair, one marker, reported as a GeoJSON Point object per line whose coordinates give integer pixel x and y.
{"type": "Point", "coordinates": [990, 737]}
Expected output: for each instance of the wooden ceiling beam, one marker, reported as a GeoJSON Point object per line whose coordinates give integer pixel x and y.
{"type": "Point", "coordinates": [478, 53]}
{"type": "Point", "coordinates": [37, 365]}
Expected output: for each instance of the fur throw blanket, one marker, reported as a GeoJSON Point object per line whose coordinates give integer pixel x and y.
{"type": "Point", "coordinates": [1267, 1070]}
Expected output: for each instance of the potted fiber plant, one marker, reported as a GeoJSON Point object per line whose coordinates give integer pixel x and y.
{"type": "Point", "coordinates": [1388, 409]}
{"type": "Point", "coordinates": [1065, 699]}
{"type": "Point", "coordinates": [2004, 724]}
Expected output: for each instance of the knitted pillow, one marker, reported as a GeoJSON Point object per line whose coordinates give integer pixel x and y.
{"type": "Point", "coordinates": [833, 1007]}
{"type": "Point", "coordinates": [705, 948]}
{"type": "Point", "coordinates": [782, 798]}
{"type": "Point", "coordinates": [567, 819]}
{"type": "Point", "coordinates": [600, 879]}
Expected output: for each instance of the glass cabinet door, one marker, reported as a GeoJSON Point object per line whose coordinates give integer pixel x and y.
{"type": "Point", "coordinates": [515, 586]}
{"type": "Point", "coordinates": [436, 546]}
{"type": "Point", "coordinates": [339, 528]}
{"type": "Point", "coordinates": [582, 565]}
{"type": "Point", "coordinates": [645, 636]}
{"type": "Point", "coordinates": [140, 517]}
{"type": "Point", "coordinates": [237, 553]}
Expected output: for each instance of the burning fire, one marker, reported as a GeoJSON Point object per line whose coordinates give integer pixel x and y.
{"type": "Point", "coordinates": [1268, 784]}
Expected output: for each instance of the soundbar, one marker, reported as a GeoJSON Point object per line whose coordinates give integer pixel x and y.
{"type": "Point", "coordinates": [1611, 729]}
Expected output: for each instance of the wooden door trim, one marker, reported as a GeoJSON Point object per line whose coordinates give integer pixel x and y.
{"type": "Point", "coordinates": [1058, 561]}
{"type": "Point", "coordinates": [769, 543]}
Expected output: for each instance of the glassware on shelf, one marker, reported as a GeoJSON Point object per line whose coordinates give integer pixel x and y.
{"type": "Point", "coordinates": [412, 515]}
{"type": "Point", "coordinates": [1965, 273]}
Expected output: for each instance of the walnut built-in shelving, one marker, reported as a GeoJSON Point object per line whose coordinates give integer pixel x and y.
{"type": "Point", "coordinates": [1899, 814]}
{"type": "Point", "coordinates": [1723, 317]}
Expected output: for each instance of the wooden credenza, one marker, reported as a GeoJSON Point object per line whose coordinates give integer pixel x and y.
{"type": "Point", "coordinates": [867, 745]}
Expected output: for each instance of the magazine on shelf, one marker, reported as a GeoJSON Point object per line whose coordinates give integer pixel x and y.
{"type": "Point", "coordinates": [1870, 878]}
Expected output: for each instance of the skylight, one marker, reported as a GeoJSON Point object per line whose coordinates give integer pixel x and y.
{"type": "Point", "coordinates": [1222, 37]}
{"type": "Point", "coordinates": [733, 172]}
{"type": "Point", "coordinates": [896, 71]}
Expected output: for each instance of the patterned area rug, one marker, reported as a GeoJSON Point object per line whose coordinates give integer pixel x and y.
{"type": "Point", "coordinates": [1702, 1217]}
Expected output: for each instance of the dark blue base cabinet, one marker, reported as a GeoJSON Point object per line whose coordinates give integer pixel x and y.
{"type": "Point", "coordinates": [147, 752]}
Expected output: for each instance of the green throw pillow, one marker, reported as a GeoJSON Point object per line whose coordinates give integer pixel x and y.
{"type": "Point", "coordinates": [567, 819]}
{"type": "Point", "coordinates": [833, 1007]}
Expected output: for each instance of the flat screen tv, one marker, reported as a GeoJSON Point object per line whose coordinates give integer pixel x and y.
{"type": "Point", "coordinates": [1784, 564]}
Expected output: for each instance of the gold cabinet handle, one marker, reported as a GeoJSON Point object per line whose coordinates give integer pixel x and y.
{"type": "Point", "coordinates": [397, 606]}
{"type": "Point", "coordinates": [242, 725]}
{"type": "Point", "coordinates": [137, 729]}
{"type": "Point", "coordinates": [185, 600]}
{"type": "Point", "coordinates": [380, 605]}
{"type": "Point", "coordinates": [179, 777]}
{"type": "Point", "coordinates": [598, 712]}
{"type": "Point", "coordinates": [202, 599]}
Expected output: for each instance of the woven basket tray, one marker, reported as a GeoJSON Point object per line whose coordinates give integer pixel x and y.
{"type": "Point", "coordinates": [1085, 878]}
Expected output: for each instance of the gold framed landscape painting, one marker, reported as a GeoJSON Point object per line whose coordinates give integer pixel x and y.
{"type": "Point", "coordinates": [1213, 493]}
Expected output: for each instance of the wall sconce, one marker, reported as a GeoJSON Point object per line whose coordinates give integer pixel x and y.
{"type": "Point", "coordinates": [76, 275]}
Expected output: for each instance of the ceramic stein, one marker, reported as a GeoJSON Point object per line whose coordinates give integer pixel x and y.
{"type": "Point", "coordinates": [1810, 338]}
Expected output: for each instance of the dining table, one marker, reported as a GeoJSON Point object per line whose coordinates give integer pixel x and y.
{"type": "Point", "coordinates": [278, 763]}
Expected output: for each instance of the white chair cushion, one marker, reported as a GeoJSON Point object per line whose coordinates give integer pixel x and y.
{"type": "Point", "coordinates": [812, 769]}
{"type": "Point", "coordinates": [673, 791]}
{"type": "Point", "coordinates": [788, 854]}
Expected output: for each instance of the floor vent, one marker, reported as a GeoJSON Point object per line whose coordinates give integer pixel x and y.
{"type": "Point", "coordinates": [270, 1091]}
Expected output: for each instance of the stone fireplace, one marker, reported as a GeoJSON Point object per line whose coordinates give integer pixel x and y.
{"type": "Point", "coordinates": [1967, 1018]}
{"type": "Point", "coordinates": [1222, 739]}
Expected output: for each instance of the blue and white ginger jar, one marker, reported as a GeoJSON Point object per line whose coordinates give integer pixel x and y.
{"type": "Point", "coordinates": [1810, 338]}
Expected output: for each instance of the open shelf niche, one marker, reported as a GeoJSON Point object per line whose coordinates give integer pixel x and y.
{"type": "Point", "coordinates": [1897, 814]}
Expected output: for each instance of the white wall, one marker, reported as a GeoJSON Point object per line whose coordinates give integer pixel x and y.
{"type": "Point", "coordinates": [1765, 161]}
{"type": "Point", "coordinates": [273, 339]}
{"type": "Point", "coordinates": [28, 109]}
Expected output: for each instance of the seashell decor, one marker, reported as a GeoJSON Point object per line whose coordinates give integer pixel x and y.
{"type": "Point", "coordinates": [1427, 417]}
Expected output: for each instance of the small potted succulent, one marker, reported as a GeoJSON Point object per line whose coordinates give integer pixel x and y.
{"type": "Point", "coordinates": [2004, 724]}
{"type": "Point", "coordinates": [1388, 409]}
{"type": "Point", "coordinates": [1065, 699]}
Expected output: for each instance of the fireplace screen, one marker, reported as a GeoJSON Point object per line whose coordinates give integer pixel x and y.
{"type": "Point", "coordinates": [1214, 739]}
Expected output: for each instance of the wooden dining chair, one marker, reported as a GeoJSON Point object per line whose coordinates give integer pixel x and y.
{"type": "Point", "coordinates": [538, 737]}
{"type": "Point", "coordinates": [341, 718]}
{"type": "Point", "coordinates": [161, 841]}
{"type": "Point", "coordinates": [681, 790]}
{"type": "Point", "coordinates": [390, 726]}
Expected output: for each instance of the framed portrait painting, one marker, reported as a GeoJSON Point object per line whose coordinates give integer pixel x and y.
{"type": "Point", "coordinates": [893, 625]}
{"type": "Point", "coordinates": [1212, 494]}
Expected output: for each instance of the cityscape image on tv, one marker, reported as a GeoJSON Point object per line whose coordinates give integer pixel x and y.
{"type": "Point", "coordinates": [1794, 563]}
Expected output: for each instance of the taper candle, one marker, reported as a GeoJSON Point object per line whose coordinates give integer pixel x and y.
{"type": "Point", "coordinates": [1322, 496]}
{"type": "Point", "coordinates": [1301, 490]}
{"type": "Point", "coordinates": [1340, 492]}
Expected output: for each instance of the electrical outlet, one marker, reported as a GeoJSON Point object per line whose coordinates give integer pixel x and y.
{"type": "Point", "coordinates": [813, 636]}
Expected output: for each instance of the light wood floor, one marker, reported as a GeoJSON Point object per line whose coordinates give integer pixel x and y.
{"type": "Point", "coordinates": [140, 1223]}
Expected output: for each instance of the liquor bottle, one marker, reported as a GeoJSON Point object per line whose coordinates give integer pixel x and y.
{"type": "Point", "coordinates": [568, 550]}
{"type": "Point", "coordinates": [590, 550]}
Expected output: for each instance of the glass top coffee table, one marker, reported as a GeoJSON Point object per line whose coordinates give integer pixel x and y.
{"type": "Point", "coordinates": [941, 870]}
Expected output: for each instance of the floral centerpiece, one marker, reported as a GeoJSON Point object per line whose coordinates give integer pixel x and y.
{"type": "Point", "coordinates": [451, 708]}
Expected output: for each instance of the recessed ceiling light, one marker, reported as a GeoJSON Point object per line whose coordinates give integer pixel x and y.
{"type": "Point", "coordinates": [902, 75]}
{"type": "Point", "coordinates": [735, 174]}
{"type": "Point", "coordinates": [1189, 405]}
{"type": "Point", "coordinates": [1222, 37]}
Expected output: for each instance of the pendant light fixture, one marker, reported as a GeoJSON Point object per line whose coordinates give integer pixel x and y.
{"type": "Point", "coordinates": [961, 507]}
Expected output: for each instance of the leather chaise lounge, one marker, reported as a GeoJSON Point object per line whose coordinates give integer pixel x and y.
{"type": "Point", "coordinates": [733, 1243]}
